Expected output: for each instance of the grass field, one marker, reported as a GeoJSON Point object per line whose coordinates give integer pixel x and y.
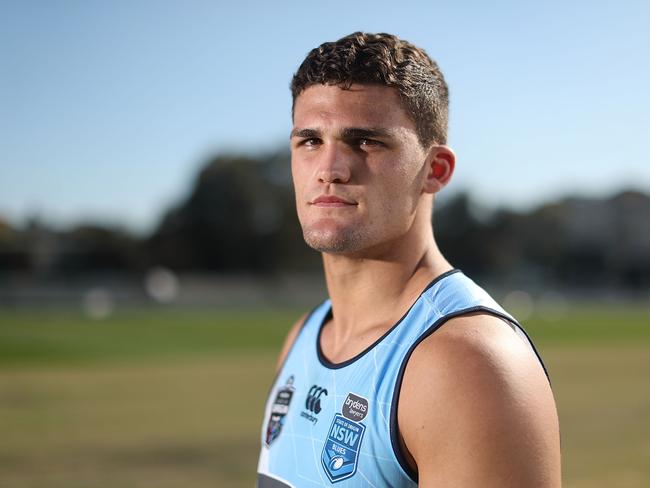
{"type": "Point", "coordinates": [174, 398]}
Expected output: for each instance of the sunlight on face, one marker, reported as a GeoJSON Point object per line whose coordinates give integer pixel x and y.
{"type": "Point", "coordinates": [357, 167]}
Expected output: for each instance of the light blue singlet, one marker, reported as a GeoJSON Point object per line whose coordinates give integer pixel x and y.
{"type": "Point", "coordinates": [335, 424]}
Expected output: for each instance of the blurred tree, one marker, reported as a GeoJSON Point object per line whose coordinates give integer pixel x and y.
{"type": "Point", "coordinates": [459, 233]}
{"type": "Point", "coordinates": [91, 247]}
{"type": "Point", "coordinates": [239, 216]}
{"type": "Point", "coordinates": [13, 254]}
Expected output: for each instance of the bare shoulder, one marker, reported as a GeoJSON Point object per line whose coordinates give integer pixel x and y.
{"type": "Point", "coordinates": [290, 339]}
{"type": "Point", "coordinates": [476, 409]}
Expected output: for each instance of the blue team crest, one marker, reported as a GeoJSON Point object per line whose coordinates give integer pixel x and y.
{"type": "Point", "coordinates": [340, 454]}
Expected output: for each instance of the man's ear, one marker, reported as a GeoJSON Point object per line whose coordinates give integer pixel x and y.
{"type": "Point", "coordinates": [441, 162]}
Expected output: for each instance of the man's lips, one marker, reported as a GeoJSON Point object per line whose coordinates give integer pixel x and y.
{"type": "Point", "coordinates": [331, 201]}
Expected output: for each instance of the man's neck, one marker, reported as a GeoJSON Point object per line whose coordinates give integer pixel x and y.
{"type": "Point", "coordinates": [371, 293]}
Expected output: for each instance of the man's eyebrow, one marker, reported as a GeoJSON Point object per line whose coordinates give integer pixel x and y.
{"type": "Point", "coordinates": [347, 133]}
{"type": "Point", "coordinates": [306, 133]}
{"type": "Point", "coordinates": [360, 133]}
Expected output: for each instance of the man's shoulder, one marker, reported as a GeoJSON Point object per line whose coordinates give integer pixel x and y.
{"type": "Point", "coordinates": [476, 388]}
{"type": "Point", "coordinates": [291, 338]}
{"type": "Point", "coordinates": [476, 343]}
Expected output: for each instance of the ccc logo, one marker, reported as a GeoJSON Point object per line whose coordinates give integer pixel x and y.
{"type": "Point", "coordinates": [313, 398]}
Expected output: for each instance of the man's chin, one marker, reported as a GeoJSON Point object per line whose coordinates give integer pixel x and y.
{"type": "Point", "coordinates": [333, 243]}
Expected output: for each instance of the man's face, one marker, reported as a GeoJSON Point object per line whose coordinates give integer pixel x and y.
{"type": "Point", "coordinates": [357, 167]}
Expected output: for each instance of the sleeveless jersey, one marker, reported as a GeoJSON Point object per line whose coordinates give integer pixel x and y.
{"type": "Point", "coordinates": [328, 423]}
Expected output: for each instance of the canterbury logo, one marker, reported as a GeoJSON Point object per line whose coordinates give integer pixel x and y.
{"type": "Point", "coordinates": [313, 398]}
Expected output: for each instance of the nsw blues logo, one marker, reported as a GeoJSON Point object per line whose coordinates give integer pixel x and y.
{"type": "Point", "coordinates": [340, 454]}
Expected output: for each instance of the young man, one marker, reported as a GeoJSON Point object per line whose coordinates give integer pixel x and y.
{"type": "Point", "coordinates": [409, 374]}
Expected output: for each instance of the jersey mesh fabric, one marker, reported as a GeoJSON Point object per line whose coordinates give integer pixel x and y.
{"type": "Point", "coordinates": [300, 455]}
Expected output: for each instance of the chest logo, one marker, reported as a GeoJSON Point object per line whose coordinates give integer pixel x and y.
{"type": "Point", "coordinates": [313, 403]}
{"type": "Point", "coordinates": [279, 410]}
{"type": "Point", "coordinates": [340, 454]}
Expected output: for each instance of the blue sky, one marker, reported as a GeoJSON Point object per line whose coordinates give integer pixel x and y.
{"type": "Point", "coordinates": [108, 109]}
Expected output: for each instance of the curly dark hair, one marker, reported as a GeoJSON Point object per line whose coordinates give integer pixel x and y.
{"type": "Point", "coordinates": [387, 60]}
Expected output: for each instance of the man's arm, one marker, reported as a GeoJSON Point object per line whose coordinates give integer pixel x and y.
{"type": "Point", "coordinates": [476, 409]}
{"type": "Point", "coordinates": [289, 340]}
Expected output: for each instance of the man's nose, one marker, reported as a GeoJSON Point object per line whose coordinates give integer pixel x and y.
{"type": "Point", "coordinates": [334, 164]}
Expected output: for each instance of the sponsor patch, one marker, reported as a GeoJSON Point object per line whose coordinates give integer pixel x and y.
{"type": "Point", "coordinates": [279, 410]}
{"type": "Point", "coordinates": [355, 408]}
{"type": "Point", "coordinates": [340, 455]}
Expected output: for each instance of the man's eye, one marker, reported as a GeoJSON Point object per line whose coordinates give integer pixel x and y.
{"type": "Point", "coordinates": [310, 142]}
{"type": "Point", "coordinates": [367, 142]}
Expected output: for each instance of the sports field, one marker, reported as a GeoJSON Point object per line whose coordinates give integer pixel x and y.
{"type": "Point", "coordinates": [173, 398]}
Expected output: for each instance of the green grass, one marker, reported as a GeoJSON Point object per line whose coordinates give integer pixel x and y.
{"type": "Point", "coordinates": [184, 423]}
{"type": "Point", "coordinates": [65, 337]}
{"type": "Point", "coordinates": [594, 324]}
{"type": "Point", "coordinates": [173, 398]}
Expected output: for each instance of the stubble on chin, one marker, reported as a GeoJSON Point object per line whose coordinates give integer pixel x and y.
{"type": "Point", "coordinates": [327, 241]}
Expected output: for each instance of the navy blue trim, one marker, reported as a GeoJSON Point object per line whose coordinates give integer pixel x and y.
{"type": "Point", "coordinates": [394, 427]}
{"type": "Point", "coordinates": [530, 341]}
{"type": "Point", "coordinates": [330, 365]}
